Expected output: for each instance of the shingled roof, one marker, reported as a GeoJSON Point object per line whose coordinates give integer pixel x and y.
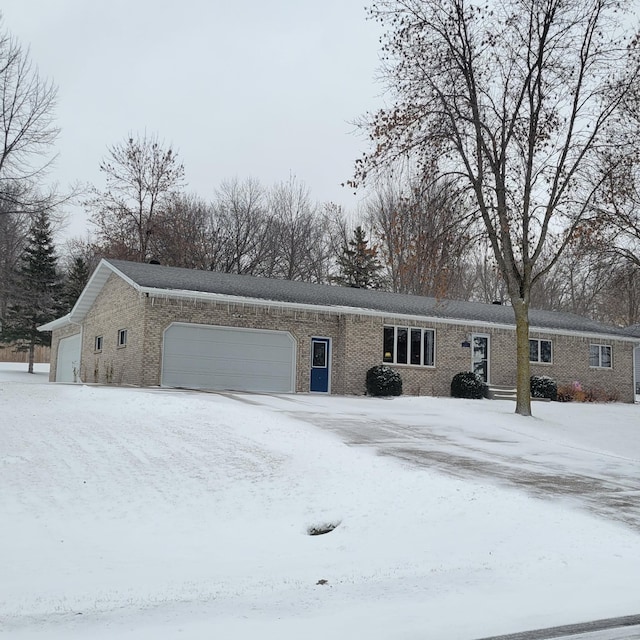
{"type": "Point", "coordinates": [633, 330]}
{"type": "Point", "coordinates": [169, 281]}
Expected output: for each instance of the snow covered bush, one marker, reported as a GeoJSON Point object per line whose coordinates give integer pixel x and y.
{"type": "Point", "coordinates": [467, 384]}
{"type": "Point", "coordinates": [383, 381]}
{"type": "Point", "coordinates": [543, 387]}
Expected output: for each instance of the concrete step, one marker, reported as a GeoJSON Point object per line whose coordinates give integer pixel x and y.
{"type": "Point", "coordinates": [502, 392]}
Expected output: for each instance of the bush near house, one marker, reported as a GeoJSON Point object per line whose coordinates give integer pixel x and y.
{"type": "Point", "coordinates": [467, 384]}
{"type": "Point", "coordinates": [575, 392]}
{"type": "Point", "coordinates": [383, 381]}
{"type": "Point", "coordinates": [543, 387]}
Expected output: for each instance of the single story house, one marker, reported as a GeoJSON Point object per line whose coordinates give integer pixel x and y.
{"type": "Point", "coordinates": [149, 325]}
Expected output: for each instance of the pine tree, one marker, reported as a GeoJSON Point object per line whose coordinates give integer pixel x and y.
{"type": "Point", "coordinates": [359, 265]}
{"type": "Point", "coordinates": [36, 291]}
{"type": "Point", "coordinates": [76, 280]}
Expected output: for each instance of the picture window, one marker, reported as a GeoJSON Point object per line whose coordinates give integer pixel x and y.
{"type": "Point", "coordinates": [408, 345]}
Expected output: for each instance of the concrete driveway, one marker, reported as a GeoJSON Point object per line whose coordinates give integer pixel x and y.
{"type": "Point", "coordinates": [604, 484]}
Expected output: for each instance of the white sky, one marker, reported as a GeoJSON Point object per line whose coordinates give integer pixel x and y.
{"type": "Point", "coordinates": [242, 88]}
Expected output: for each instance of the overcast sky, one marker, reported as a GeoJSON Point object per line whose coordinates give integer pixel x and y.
{"type": "Point", "coordinates": [260, 88]}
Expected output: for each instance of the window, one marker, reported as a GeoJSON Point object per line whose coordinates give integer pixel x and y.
{"type": "Point", "coordinates": [122, 338]}
{"type": "Point", "coordinates": [98, 343]}
{"type": "Point", "coordinates": [408, 345]}
{"type": "Point", "coordinates": [319, 356]}
{"type": "Point", "coordinates": [540, 351]}
{"type": "Point", "coordinates": [600, 356]}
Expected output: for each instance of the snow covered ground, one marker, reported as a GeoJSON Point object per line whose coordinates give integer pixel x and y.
{"type": "Point", "coordinates": [160, 514]}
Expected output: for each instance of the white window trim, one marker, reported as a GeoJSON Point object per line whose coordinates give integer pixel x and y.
{"type": "Point", "coordinates": [97, 349]}
{"type": "Point", "coordinates": [600, 365]}
{"type": "Point", "coordinates": [122, 344]}
{"type": "Point", "coordinates": [539, 360]}
{"type": "Point", "coordinates": [395, 346]}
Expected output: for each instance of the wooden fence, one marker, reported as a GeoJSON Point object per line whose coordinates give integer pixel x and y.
{"type": "Point", "coordinates": [9, 354]}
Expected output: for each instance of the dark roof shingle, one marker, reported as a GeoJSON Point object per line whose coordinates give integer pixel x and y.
{"type": "Point", "coordinates": [268, 289]}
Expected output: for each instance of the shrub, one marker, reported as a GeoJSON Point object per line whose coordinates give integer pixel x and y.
{"type": "Point", "coordinates": [467, 384]}
{"type": "Point", "coordinates": [383, 381]}
{"type": "Point", "coordinates": [575, 392]}
{"type": "Point", "coordinates": [543, 387]}
{"type": "Point", "coordinates": [572, 393]}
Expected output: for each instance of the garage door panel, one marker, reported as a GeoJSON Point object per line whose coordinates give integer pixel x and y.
{"type": "Point", "coordinates": [231, 382]}
{"type": "Point", "coordinates": [231, 351]}
{"type": "Point", "coordinates": [236, 366]}
{"type": "Point", "coordinates": [203, 357]}
{"type": "Point", "coordinates": [68, 360]}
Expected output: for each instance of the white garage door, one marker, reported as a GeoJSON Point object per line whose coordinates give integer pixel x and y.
{"type": "Point", "coordinates": [68, 362]}
{"type": "Point", "coordinates": [207, 357]}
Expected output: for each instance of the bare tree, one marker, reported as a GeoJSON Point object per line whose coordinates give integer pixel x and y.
{"type": "Point", "coordinates": [27, 130]}
{"type": "Point", "coordinates": [14, 227]}
{"type": "Point", "coordinates": [142, 177]}
{"type": "Point", "coordinates": [241, 227]}
{"type": "Point", "coordinates": [425, 235]}
{"type": "Point", "coordinates": [300, 248]}
{"type": "Point", "coordinates": [486, 281]}
{"type": "Point", "coordinates": [184, 235]}
{"type": "Point", "coordinates": [514, 100]}
{"type": "Point", "coordinates": [617, 220]}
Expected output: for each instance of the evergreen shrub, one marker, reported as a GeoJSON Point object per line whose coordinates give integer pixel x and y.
{"type": "Point", "coordinates": [383, 381]}
{"type": "Point", "coordinates": [467, 384]}
{"type": "Point", "coordinates": [543, 387]}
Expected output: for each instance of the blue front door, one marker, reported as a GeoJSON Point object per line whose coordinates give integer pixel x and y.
{"type": "Point", "coordinates": [320, 361]}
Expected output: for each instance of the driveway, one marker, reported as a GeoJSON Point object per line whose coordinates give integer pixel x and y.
{"type": "Point", "coordinates": [604, 483]}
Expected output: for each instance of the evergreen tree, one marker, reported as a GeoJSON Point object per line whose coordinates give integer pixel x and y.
{"type": "Point", "coordinates": [359, 264]}
{"type": "Point", "coordinates": [77, 278]}
{"type": "Point", "coordinates": [36, 291]}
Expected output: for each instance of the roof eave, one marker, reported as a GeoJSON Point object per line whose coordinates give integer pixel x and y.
{"type": "Point", "coordinates": [58, 323]}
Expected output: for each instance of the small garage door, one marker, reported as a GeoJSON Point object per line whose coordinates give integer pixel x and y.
{"type": "Point", "coordinates": [68, 362]}
{"type": "Point", "coordinates": [207, 357]}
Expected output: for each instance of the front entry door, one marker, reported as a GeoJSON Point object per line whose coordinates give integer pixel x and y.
{"type": "Point", "coordinates": [320, 363]}
{"type": "Point", "coordinates": [480, 356]}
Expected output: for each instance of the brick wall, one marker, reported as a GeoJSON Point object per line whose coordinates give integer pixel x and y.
{"type": "Point", "coordinates": [118, 306]}
{"type": "Point", "coordinates": [364, 345]}
{"type": "Point", "coordinates": [571, 364]}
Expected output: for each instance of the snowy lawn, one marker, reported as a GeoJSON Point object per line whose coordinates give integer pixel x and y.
{"type": "Point", "coordinates": [136, 513]}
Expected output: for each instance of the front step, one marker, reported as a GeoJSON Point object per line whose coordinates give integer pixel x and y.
{"type": "Point", "coordinates": [502, 392]}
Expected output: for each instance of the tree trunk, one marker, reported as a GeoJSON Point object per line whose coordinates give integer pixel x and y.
{"type": "Point", "coordinates": [32, 350]}
{"type": "Point", "coordinates": [523, 398]}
